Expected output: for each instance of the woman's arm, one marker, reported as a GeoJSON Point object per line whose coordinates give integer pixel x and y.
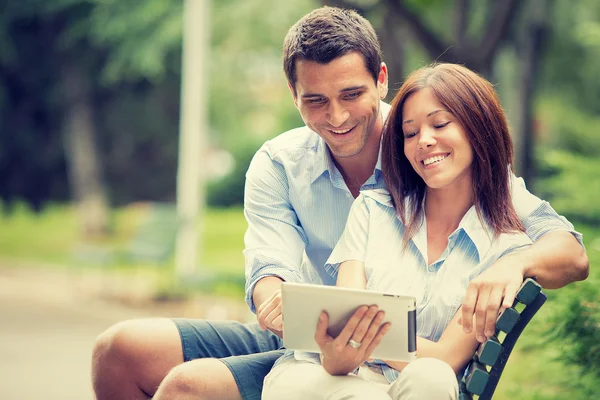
{"type": "Point", "coordinates": [454, 347]}
{"type": "Point", "coordinates": [351, 274]}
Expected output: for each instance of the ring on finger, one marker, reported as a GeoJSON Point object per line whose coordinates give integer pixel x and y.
{"type": "Point", "coordinates": [354, 344]}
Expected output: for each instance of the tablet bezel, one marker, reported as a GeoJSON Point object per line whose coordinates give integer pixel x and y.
{"type": "Point", "coordinates": [302, 304]}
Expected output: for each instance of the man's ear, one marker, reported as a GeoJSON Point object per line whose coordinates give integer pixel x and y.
{"type": "Point", "coordinates": [382, 81]}
{"type": "Point", "coordinates": [294, 96]}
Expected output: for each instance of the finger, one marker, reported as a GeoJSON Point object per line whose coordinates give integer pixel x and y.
{"type": "Point", "coordinates": [510, 293]}
{"type": "Point", "coordinates": [374, 328]}
{"type": "Point", "coordinates": [266, 308]}
{"type": "Point", "coordinates": [493, 308]}
{"type": "Point", "coordinates": [385, 328]}
{"type": "Point", "coordinates": [321, 331]}
{"type": "Point", "coordinates": [468, 307]}
{"type": "Point", "coordinates": [277, 323]}
{"type": "Point", "coordinates": [480, 313]}
{"type": "Point", "coordinates": [350, 326]}
{"type": "Point", "coordinates": [365, 323]}
{"type": "Point", "coordinates": [272, 317]}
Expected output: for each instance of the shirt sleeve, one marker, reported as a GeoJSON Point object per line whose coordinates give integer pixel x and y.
{"type": "Point", "coordinates": [275, 240]}
{"type": "Point", "coordinates": [353, 242]}
{"type": "Point", "coordinates": [537, 216]}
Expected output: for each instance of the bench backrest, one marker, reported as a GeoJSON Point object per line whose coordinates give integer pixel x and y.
{"type": "Point", "coordinates": [485, 369]}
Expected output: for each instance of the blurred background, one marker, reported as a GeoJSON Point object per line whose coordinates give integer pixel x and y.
{"type": "Point", "coordinates": [99, 168]}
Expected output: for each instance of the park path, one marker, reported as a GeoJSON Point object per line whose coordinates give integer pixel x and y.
{"type": "Point", "coordinates": [48, 324]}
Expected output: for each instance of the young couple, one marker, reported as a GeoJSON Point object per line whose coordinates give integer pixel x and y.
{"type": "Point", "coordinates": [417, 199]}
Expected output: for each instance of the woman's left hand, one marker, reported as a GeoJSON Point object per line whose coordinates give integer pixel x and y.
{"type": "Point", "coordinates": [355, 343]}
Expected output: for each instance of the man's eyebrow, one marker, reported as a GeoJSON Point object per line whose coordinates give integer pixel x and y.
{"type": "Point", "coordinates": [353, 88]}
{"type": "Point", "coordinates": [408, 121]}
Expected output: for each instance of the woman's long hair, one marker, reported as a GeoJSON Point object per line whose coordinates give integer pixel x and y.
{"type": "Point", "coordinates": [473, 101]}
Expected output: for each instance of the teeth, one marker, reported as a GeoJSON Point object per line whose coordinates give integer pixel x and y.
{"type": "Point", "coordinates": [341, 132]}
{"type": "Point", "coordinates": [431, 160]}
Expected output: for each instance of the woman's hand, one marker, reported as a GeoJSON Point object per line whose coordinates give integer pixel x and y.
{"type": "Point", "coordinates": [355, 343]}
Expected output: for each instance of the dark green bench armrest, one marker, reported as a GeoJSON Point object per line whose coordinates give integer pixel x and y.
{"type": "Point", "coordinates": [485, 370]}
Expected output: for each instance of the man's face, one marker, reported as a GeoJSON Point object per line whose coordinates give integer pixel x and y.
{"type": "Point", "coordinates": [340, 102]}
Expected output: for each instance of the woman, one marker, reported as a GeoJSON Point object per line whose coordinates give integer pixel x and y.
{"type": "Point", "coordinates": [446, 217]}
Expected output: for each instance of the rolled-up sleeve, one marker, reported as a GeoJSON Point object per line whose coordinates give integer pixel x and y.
{"type": "Point", "coordinates": [537, 216]}
{"type": "Point", "coordinates": [353, 242]}
{"type": "Point", "coordinates": [274, 241]}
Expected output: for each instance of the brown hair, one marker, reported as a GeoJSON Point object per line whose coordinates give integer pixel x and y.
{"type": "Point", "coordinates": [326, 34]}
{"type": "Point", "coordinates": [473, 101]}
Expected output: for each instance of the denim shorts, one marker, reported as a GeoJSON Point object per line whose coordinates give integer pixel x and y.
{"type": "Point", "coordinates": [248, 351]}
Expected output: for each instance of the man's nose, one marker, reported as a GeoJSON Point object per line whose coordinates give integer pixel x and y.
{"type": "Point", "coordinates": [337, 114]}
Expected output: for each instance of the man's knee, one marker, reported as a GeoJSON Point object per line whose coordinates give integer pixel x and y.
{"type": "Point", "coordinates": [202, 379]}
{"type": "Point", "coordinates": [427, 377]}
{"type": "Point", "coordinates": [114, 344]}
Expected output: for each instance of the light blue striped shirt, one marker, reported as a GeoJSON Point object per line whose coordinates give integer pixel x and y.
{"type": "Point", "coordinates": [373, 235]}
{"type": "Point", "coordinates": [296, 204]}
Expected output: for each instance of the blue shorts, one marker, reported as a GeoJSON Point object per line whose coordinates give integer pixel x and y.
{"type": "Point", "coordinates": [248, 351]}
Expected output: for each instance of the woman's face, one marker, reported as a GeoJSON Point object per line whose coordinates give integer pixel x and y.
{"type": "Point", "coordinates": [435, 143]}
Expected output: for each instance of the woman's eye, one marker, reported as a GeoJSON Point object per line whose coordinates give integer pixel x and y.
{"type": "Point", "coordinates": [439, 126]}
{"type": "Point", "coordinates": [409, 135]}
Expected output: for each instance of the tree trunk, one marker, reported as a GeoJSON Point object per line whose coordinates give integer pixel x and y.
{"type": "Point", "coordinates": [529, 51]}
{"type": "Point", "coordinates": [83, 157]}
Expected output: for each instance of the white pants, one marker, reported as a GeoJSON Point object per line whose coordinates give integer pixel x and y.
{"type": "Point", "coordinates": [423, 379]}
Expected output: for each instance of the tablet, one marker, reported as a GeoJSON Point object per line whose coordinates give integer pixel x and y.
{"type": "Point", "coordinates": [302, 304]}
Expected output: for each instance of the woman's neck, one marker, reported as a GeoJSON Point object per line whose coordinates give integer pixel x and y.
{"type": "Point", "coordinates": [445, 208]}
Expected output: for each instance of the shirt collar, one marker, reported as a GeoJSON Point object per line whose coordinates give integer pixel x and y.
{"type": "Point", "coordinates": [480, 233]}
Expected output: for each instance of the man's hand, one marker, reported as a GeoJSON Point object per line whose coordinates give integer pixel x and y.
{"type": "Point", "coordinates": [490, 293]}
{"type": "Point", "coordinates": [355, 343]}
{"type": "Point", "coordinates": [269, 314]}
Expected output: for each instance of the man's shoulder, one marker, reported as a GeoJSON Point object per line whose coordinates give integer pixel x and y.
{"type": "Point", "coordinates": [292, 145]}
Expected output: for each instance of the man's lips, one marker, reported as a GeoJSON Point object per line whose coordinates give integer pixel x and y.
{"type": "Point", "coordinates": [341, 131]}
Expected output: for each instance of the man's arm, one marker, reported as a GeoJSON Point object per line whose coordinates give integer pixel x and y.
{"type": "Point", "coordinates": [556, 258]}
{"type": "Point", "coordinates": [274, 241]}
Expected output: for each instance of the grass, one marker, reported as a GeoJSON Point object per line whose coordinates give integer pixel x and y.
{"type": "Point", "coordinates": [51, 239]}
{"type": "Point", "coordinates": [534, 371]}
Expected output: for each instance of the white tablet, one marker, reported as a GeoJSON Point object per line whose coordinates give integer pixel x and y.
{"type": "Point", "coordinates": [302, 304]}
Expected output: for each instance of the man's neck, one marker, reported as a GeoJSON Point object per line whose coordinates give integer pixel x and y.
{"type": "Point", "coordinates": [357, 169]}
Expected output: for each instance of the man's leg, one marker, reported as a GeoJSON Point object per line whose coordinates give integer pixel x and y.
{"type": "Point", "coordinates": [231, 378]}
{"type": "Point", "coordinates": [132, 358]}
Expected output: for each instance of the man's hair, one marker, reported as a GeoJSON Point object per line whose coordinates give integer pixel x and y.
{"type": "Point", "coordinates": [326, 34]}
{"type": "Point", "coordinates": [474, 103]}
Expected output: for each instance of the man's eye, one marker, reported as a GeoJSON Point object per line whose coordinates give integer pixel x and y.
{"type": "Point", "coordinates": [440, 126]}
{"type": "Point", "coordinates": [316, 100]}
{"type": "Point", "coordinates": [352, 95]}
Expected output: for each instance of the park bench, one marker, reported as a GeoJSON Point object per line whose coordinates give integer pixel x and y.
{"type": "Point", "coordinates": [152, 242]}
{"type": "Point", "coordinates": [485, 369]}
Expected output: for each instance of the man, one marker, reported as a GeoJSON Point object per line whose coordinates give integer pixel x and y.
{"type": "Point", "coordinates": [299, 190]}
